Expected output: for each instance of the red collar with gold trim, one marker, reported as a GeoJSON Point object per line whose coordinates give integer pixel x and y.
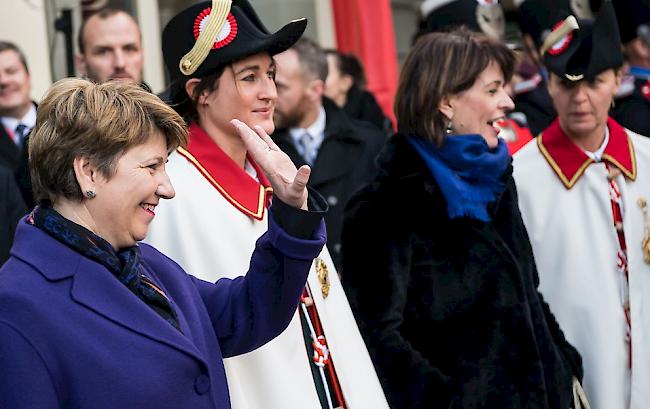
{"type": "Point", "coordinates": [245, 193]}
{"type": "Point", "coordinates": [569, 161]}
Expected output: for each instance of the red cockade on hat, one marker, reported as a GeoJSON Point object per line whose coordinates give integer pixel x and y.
{"type": "Point", "coordinates": [562, 44]}
{"type": "Point", "coordinates": [226, 35]}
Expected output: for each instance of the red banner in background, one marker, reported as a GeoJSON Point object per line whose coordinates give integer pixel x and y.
{"type": "Point", "coordinates": [365, 29]}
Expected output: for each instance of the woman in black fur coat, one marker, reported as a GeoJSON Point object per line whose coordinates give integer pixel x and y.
{"type": "Point", "coordinates": [436, 259]}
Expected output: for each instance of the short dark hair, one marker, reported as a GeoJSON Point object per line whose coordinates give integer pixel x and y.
{"type": "Point", "coordinates": [6, 45]}
{"type": "Point", "coordinates": [439, 66]}
{"type": "Point", "coordinates": [186, 104]}
{"type": "Point", "coordinates": [349, 64]}
{"type": "Point", "coordinates": [102, 14]}
{"type": "Point", "coordinates": [313, 60]}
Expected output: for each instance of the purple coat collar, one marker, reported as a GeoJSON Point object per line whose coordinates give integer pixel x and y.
{"type": "Point", "coordinates": [94, 287]}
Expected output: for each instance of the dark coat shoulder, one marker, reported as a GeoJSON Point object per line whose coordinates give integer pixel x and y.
{"type": "Point", "coordinates": [12, 208]}
{"type": "Point", "coordinates": [633, 110]}
{"type": "Point", "coordinates": [345, 162]}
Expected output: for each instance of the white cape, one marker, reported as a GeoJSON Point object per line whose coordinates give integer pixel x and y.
{"type": "Point", "coordinates": [211, 239]}
{"type": "Point", "coordinates": [575, 247]}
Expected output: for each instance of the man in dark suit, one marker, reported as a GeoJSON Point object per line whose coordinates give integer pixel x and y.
{"type": "Point", "coordinates": [17, 111]}
{"type": "Point", "coordinates": [12, 208]}
{"type": "Point", "coordinates": [312, 130]}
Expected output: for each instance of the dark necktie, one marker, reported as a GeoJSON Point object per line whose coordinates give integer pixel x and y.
{"type": "Point", "coordinates": [19, 134]}
{"type": "Point", "coordinates": [308, 144]}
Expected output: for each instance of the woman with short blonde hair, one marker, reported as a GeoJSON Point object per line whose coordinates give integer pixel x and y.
{"type": "Point", "coordinates": [99, 121]}
{"type": "Point", "coordinates": [92, 318]}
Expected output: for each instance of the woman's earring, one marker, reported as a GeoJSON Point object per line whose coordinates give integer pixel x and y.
{"type": "Point", "coordinates": [449, 130]}
{"type": "Point", "coordinates": [90, 194]}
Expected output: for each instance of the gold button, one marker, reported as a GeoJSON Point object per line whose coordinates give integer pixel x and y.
{"type": "Point", "coordinates": [186, 64]}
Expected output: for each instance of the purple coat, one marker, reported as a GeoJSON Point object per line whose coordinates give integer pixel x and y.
{"type": "Point", "coordinates": [71, 335]}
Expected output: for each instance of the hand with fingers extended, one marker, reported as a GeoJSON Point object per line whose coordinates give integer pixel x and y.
{"type": "Point", "coordinates": [289, 184]}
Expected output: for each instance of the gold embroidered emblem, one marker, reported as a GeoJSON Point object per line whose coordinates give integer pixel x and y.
{"type": "Point", "coordinates": [574, 78]}
{"type": "Point", "coordinates": [645, 242]}
{"type": "Point", "coordinates": [323, 277]}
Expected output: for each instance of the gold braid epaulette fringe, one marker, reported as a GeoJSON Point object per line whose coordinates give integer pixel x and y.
{"type": "Point", "coordinates": [195, 57]}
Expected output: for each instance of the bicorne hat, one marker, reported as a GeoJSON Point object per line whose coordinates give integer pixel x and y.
{"type": "Point", "coordinates": [579, 49]}
{"type": "Point", "coordinates": [537, 17]}
{"type": "Point", "coordinates": [212, 34]}
{"type": "Point", "coordinates": [634, 19]}
{"type": "Point", "coordinates": [478, 15]}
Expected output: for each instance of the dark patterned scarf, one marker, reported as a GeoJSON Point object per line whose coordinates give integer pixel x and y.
{"type": "Point", "coordinates": [125, 264]}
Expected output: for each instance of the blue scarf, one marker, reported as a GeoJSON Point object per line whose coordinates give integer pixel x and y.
{"type": "Point", "coordinates": [467, 171]}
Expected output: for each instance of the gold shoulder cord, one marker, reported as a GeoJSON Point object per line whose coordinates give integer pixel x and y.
{"type": "Point", "coordinates": [195, 57]}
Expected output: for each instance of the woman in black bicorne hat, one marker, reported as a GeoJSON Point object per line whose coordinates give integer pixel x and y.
{"type": "Point", "coordinates": [220, 58]}
{"type": "Point", "coordinates": [583, 192]}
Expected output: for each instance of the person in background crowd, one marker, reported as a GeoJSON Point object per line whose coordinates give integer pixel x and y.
{"type": "Point", "coordinates": [436, 259]}
{"type": "Point", "coordinates": [530, 93]}
{"type": "Point", "coordinates": [90, 317]}
{"type": "Point", "coordinates": [346, 86]}
{"type": "Point", "coordinates": [18, 117]}
{"type": "Point", "coordinates": [110, 48]}
{"type": "Point", "coordinates": [17, 111]}
{"type": "Point", "coordinates": [223, 196]}
{"type": "Point", "coordinates": [483, 16]}
{"type": "Point", "coordinates": [312, 130]}
{"type": "Point", "coordinates": [632, 104]}
{"type": "Point", "coordinates": [12, 208]}
{"type": "Point", "coordinates": [583, 192]}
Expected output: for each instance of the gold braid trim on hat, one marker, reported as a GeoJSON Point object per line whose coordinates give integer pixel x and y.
{"type": "Point", "coordinates": [195, 57]}
{"type": "Point", "coordinates": [568, 25]}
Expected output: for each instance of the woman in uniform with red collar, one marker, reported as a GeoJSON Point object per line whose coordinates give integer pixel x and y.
{"type": "Point", "coordinates": [223, 196]}
{"type": "Point", "coordinates": [583, 192]}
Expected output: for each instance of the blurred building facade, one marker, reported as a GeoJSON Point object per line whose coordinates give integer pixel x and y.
{"type": "Point", "coordinates": [352, 25]}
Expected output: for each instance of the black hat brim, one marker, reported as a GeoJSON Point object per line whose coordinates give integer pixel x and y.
{"type": "Point", "coordinates": [595, 47]}
{"type": "Point", "coordinates": [252, 38]}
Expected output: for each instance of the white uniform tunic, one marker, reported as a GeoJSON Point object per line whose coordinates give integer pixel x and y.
{"type": "Point", "coordinates": [210, 229]}
{"type": "Point", "coordinates": [565, 203]}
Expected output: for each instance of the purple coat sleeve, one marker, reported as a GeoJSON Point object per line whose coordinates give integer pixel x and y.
{"type": "Point", "coordinates": [249, 311]}
{"type": "Point", "coordinates": [66, 325]}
